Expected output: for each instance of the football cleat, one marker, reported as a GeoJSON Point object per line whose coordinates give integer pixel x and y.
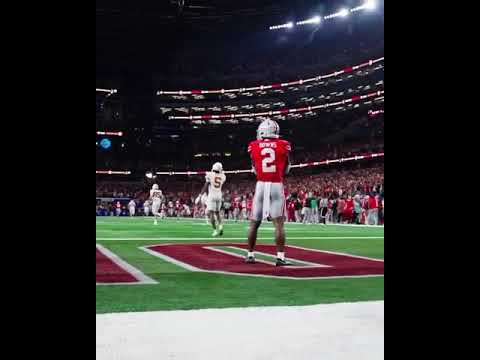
{"type": "Point", "coordinates": [220, 232]}
{"type": "Point", "coordinates": [281, 262]}
{"type": "Point", "coordinates": [250, 259]}
{"type": "Point", "coordinates": [215, 233]}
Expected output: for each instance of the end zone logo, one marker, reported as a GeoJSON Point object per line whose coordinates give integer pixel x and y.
{"type": "Point", "coordinates": [227, 258]}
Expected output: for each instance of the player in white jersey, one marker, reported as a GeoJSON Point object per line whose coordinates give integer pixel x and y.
{"type": "Point", "coordinates": [146, 207]}
{"type": "Point", "coordinates": [214, 181]}
{"type": "Point", "coordinates": [157, 198]}
{"type": "Point", "coordinates": [186, 210]}
{"type": "Point", "coordinates": [131, 207]}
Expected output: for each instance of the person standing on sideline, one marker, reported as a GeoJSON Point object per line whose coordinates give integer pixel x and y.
{"type": "Point", "coordinates": [372, 212]}
{"type": "Point", "coordinates": [131, 207]}
{"type": "Point", "coordinates": [314, 204]}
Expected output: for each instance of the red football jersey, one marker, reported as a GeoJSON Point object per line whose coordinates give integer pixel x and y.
{"type": "Point", "coordinates": [269, 157]}
{"type": "Point", "coordinates": [348, 204]}
{"type": "Point", "coordinates": [372, 202]}
{"type": "Point", "coordinates": [291, 206]}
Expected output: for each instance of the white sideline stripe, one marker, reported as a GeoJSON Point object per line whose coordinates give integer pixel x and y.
{"type": "Point", "coordinates": [358, 225]}
{"type": "Point", "coordinates": [261, 228]}
{"type": "Point", "coordinates": [307, 264]}
{"type": "Point", "coordinates": [224, 220]}
{"type": "Point", "coordinates": [140, 276]}
{"type": "Point", "coordinates": [234, 238]}
{"type": "Point", "coordinates": [193, 268]}
{"type": "Point", "coordinates": [341, 331]}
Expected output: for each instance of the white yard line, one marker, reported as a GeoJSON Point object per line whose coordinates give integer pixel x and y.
{"type": "Point", "coordinates": [337, 253]}
{"type": "Point", "coordinates": [345, 331]}
{"type": "Point", "coordinates": [222, 238]}
{"type": "Point", "coordinates": [140, 276]}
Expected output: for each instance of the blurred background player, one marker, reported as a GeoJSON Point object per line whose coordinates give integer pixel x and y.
{"type": "Point", "coordinates": [323, 209]}
{"type": "Point", "coordinates": [131, 207]}
{"type": "Point", "coordinates": [270, 162]}
{"type": "Point", "coordinates": [146, 207]}
{"type": "Point", "coordinates": [163, 211]}
{"type": "Point", "coordinates": [236, 208]}
{"type": "Point", "coordinates": [157, 198]}
{"type": "Point", "coordinates": [243, 211]}
{"type": "Point", "coordinates": [214, 181]}
{"type": "Point", "coordinates": [118, 208]}
{"type": "Point", "coordinates": [309, 215]}
{"type": "Point", "coordinates": [227, 206]}
{"type": "Point", "coordinates": [314, 203]}
{"type": "Point", "coordinates": [170, 208]}
{"type": "Point", "coordinates": [291, 210]}
{"type": "Point", "coordinates": [372, 212]}
{"type": "Point", "coordinates": [186, 212]}
{"type": "Point", "coordinates": [178, 208]}
{"type": "Point", "coordinates": [348, 211]}
{"type": "Point", "coordinates": [298, 210]}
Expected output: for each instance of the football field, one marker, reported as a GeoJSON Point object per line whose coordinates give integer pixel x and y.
{"type": "Point", "coordinates": [177, 265]}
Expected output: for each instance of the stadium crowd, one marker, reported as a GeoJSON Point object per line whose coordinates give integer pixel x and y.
{"type": "Point", "coordinates": [351, 196]}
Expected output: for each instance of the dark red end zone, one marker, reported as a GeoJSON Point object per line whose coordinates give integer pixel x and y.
{"type": "Point", "coordinates": [109, 272]}
{"type": "Point", "coordinates": [204, 259]}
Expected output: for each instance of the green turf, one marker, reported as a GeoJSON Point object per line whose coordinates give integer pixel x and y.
{"type": "Point", "coordinates": [178, 288]}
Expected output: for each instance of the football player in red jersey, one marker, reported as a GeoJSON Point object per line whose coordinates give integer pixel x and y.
{"type": "Point", "coordinates": [270, 163]}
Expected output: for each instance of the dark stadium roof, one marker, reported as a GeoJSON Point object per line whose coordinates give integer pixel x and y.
{"type": "Point", "coordinates": [136, 36]}
{"type": "Point", "coordinates": [155, 13]}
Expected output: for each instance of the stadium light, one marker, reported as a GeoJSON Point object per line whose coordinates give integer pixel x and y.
{"type": "Point", "coordinates": [341, 13]}
{"type": "Point", "coordinates": [314, 20]}
{"type": "Point", "coordinates": [344, 12]}
{"type": "Point", "coordinates": [111, 133]}
{"type": "Point", "coordinates": [367, 5]}
{"type": "Point", "coordinates": [282, 26]}
{"type": "Point", "coordinates": [370, 4]}
{"type": "Point", "coordinates": [112, 172]}
{"type": "Point", "coordinates": [109, 91]}
{"type": "Point", "coordinates": [149, 175]}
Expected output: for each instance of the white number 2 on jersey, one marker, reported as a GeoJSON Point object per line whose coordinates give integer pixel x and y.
{"type": "Point", "coordinates": [268, 162]}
